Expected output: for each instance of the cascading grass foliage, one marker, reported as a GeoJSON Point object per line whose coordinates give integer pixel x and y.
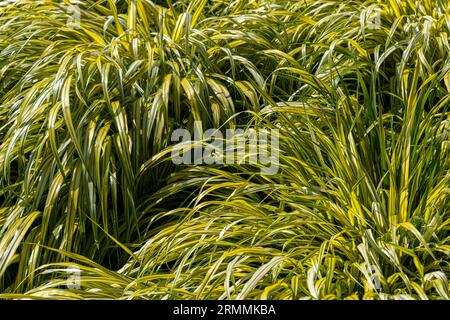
{"type": "Point", "coordinates": [359, 90]}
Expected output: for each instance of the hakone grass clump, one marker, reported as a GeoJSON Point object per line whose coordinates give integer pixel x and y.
{"type": "Point", "coordinates": [359, 92]}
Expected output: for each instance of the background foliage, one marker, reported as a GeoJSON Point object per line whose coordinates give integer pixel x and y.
{"type": "Point", "coordinates": [359, 209]}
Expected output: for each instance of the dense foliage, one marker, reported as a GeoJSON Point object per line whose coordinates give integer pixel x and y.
{"type": "Point", "coordinates": [360, 208]}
